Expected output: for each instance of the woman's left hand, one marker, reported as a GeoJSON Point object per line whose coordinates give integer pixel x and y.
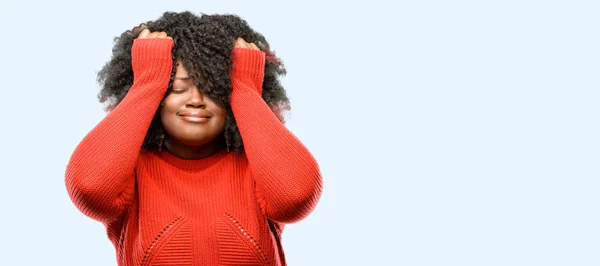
{"type": "Point", "coordinates": [241, 43]}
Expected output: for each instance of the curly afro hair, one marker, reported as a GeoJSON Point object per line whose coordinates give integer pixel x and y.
{"type": "Point", "coordinates": [203, 45]}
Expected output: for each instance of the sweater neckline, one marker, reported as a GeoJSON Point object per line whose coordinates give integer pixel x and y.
{"type": "Point", "coordinates": [192, 163]}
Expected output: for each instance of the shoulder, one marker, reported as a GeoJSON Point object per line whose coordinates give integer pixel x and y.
{"type": "Point", "coordinates": [145, 154]}
{"type": "Point", "coordinates": [146, 157]}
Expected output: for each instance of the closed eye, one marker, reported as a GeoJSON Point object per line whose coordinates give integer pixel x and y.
{"type": "Point", "coordinates": [178, 90]}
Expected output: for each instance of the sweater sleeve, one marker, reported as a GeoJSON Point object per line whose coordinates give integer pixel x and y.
{"type": "Point", "coordinates": [287, 177]}
{"type": "Point", "coordinates": [100, 174]}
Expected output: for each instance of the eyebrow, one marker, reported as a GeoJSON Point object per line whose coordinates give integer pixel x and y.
{"type": "Point", "coordinates": [182, 78]}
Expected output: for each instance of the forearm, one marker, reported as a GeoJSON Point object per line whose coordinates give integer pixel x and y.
{"type": "Point", "coordinates": [287, 176]}
{"type": "Point", "coordinates": [100, 173]}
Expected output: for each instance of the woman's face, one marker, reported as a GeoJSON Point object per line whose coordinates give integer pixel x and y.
{"type": "Point", "coordinates": [189, 116]}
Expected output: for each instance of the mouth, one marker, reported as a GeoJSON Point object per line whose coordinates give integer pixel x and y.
{"type": "Point", "coordinates": [195, 119]}
{"type": "Point", "coordinates": [195, 116]}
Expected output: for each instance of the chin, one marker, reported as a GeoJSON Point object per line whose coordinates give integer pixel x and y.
{"type": "Point", "coordinates": [195, 142]}
{"type": "Point", "coordinates": [195, 138]}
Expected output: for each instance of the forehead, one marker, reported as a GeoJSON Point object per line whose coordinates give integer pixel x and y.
{"type": "Point", "coordinates": [180, 71]}
{"type": "Point", "coordinates": [182, 74]}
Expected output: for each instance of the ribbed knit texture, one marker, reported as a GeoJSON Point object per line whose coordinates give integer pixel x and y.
{"type": "Point", "coordinates": [226, 209]}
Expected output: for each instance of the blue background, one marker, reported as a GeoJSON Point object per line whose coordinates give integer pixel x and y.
{"type": "Point", "coordinates": [448, 132]}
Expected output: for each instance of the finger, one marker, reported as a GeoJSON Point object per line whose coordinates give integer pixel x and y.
{"type": "Point", "coordinates": [161, 34]}
{"type": "Point", "coordinates": [239, 42]}
{"type": "Point", "coordinates": [144, 34]}
{"type": "Point", "coordinates": [156, 34]}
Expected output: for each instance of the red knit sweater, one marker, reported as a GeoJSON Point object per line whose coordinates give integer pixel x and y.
{"type": "Point", "coordinates": [226, 209]}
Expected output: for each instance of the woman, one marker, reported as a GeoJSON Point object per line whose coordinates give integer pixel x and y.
{"type": "Point", "coordinates": [193, 165]}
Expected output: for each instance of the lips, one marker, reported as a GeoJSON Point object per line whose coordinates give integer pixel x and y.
{"type": "Point", "coordinates": [196, 117]}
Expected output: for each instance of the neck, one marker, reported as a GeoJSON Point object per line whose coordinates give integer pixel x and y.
{"type": "Point", "coordinates": [184, 151]}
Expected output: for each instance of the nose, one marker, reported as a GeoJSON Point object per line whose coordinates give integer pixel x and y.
{"type": "Point", "coordinates": [196, 99]}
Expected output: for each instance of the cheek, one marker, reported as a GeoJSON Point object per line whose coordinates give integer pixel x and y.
{"type": "Point", "coordinates": [164, 114]}
{"type": "Point", "coordinates": [221, 124]}
{"type": "Point", "coordinates": [168, 115]}
{"type": "Point", "coordinates": [171, 104]}
{"type": "Point", "coordinates": [223, 117]}
{"type": "Point", "coordinates": [165, 121]}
